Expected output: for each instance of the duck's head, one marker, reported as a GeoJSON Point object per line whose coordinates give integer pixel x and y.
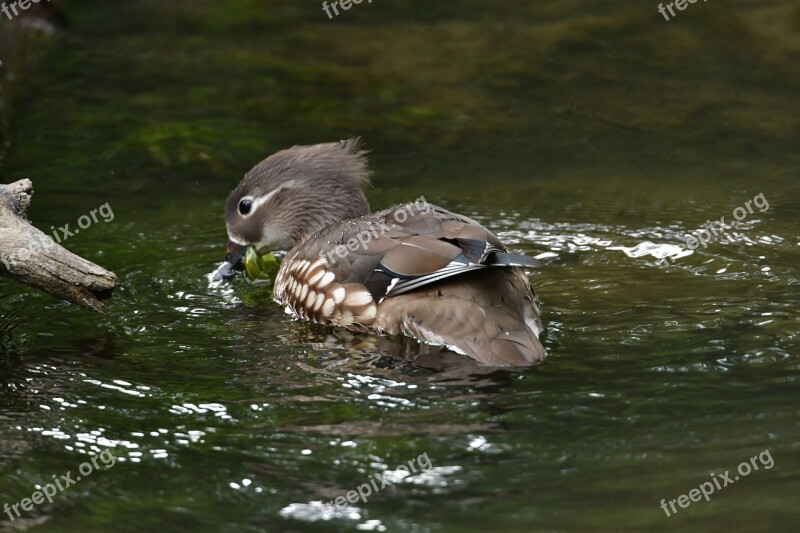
{"type": "Point", "coordinates": [293, 194]}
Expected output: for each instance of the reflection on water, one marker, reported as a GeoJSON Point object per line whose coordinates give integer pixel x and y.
{"type": "Point", "coordinates": [592, 135]}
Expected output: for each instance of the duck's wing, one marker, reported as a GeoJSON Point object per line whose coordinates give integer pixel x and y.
{"type": "Point", "coordinates": [409, 246]}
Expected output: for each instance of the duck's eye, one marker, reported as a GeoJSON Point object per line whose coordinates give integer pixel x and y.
{"type": "Point", "coordinates": [245, 206]}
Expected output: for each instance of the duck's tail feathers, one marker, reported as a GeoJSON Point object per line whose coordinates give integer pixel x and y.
{"type": "Point", "coordinates": [510, 259]}
{"type": "Point", "coordinates": [490, 315]}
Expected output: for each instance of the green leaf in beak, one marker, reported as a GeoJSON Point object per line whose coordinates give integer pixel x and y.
{"type": "Point", "coordinates": [260, 267]}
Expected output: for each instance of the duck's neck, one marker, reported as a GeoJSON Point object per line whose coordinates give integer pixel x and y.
{"type": "Point", "coordinates": [315, 218]}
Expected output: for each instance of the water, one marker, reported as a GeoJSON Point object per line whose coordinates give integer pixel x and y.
{"type": "Point", "coordinates": [593, 134]}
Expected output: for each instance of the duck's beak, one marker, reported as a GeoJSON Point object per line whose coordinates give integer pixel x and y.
{"type": "Point", "coordinates": [233, 262]}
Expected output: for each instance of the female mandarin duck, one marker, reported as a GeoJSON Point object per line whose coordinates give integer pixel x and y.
{"type": "Point", "coordinates": [413, 269]}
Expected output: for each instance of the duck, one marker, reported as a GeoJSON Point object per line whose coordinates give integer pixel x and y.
{"type": "Point", "coordinates": [414, 269]}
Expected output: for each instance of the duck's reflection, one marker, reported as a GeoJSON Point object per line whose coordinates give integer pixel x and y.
{"type": "Point", "coordinates": [335, 351]}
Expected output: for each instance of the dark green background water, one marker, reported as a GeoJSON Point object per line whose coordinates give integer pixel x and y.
{"type": "Point", "coordinates": [581, 128]}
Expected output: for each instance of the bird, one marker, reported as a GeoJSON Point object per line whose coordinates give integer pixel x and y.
{"type": "Point", "coordinates": [414, 269]}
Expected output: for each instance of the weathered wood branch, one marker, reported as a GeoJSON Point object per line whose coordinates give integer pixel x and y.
{"type": "Point", "coordinates": [30, 256]}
